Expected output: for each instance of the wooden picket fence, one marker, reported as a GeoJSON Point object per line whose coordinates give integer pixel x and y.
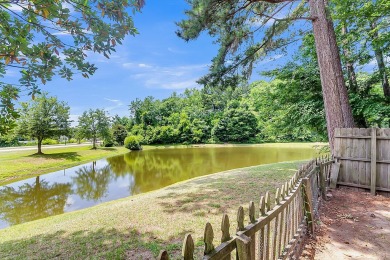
{"type": "Point", "coordinates": [279, 231]}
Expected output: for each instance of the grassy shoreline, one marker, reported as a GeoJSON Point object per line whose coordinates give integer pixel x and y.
{"type": "Point", "coordinates": [141, 225]}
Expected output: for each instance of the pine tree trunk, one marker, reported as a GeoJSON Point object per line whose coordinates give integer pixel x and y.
{"type": "Point", "coordinates": [381, 63]}
{"type": "Point", "coordinates": [337, 108]}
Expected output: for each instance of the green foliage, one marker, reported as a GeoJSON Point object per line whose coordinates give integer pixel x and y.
{"type": "Point", "coordinates": [43, 117]}
{"type": "Point", "coordinates": [133, 142]}
{"type": "Point", "coordinates": [94, 124]}
{"type": "Point", "coordinates": [49, 141]}
{"type": "Point", "coordinates": [119, 133]}
{"type": "Point", "coordinates": [9, 140]}
{"type": "Point", "coordinates": [238, 124]}
{"type": "Point", "coordinates": [8, 115]}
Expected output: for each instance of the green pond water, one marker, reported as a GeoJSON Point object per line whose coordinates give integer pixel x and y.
{"type": "Point", "coordinates": [125, 175]}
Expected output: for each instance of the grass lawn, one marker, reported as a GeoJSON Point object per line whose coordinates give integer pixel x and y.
{"type": "Point", "coordinates": [17, 165]}
{"type": "Point", "coordinates": [138, 227]}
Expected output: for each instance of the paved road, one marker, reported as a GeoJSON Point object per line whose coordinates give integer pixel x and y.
{"type": "Point", "coordinates": [27, 148]}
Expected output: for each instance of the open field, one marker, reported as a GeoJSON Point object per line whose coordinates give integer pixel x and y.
{"type": "Point", "coordinates": [17, 165]}
{"type": "Point", "coordinates": [141, 225]}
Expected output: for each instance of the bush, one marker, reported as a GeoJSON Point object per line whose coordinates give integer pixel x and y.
{"type": "Point", "coordinates": [72, 141]}
{"type": "Point", "coordinates": [49, 141]}
{"type": "Point", "coordinates": [133, 142]}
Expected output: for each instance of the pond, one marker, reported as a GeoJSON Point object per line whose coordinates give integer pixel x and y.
{"type": "Point", "coordinates": [125, 175]}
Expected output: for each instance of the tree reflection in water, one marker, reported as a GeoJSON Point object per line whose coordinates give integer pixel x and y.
{"type": "Point", "coordinates": [33, 201]}
{"type": "Point", "coordinates": [92, 182]}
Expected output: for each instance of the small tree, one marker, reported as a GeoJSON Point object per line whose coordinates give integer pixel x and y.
{"type": "Point", "coordinates": [119, 133]}
{"type": "Point", "coordinates": [44, 117]}
{"type": "Point", "coordinates": [94, 124]}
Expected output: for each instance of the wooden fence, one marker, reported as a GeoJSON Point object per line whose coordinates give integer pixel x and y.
{"type": "Point", "coordinates": [278, 232]}
{"type": "Point", "coordinates": [364, 155]}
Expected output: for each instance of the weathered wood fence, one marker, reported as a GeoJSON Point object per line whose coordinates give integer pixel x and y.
{"type": "Point", "coordinates": [279, 230]}
{"type": "Point", "coordinates": [364, 155]}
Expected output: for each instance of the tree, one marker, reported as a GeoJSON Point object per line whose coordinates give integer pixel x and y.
{"type": "Point", "coordinates": [94, 124]}
{"type": "Point", "coordinates": [245, 24]}
{"type": "Point", "coordinates": [46, 38]}
{"type": "Point", "coordinates": [237, 124]}
{"type": "Point", "coordinates": [119, 133]}
{"type": "Point", "coordinates": [8, 114]}
{"type": "Point", "coordinates": [44, 117]}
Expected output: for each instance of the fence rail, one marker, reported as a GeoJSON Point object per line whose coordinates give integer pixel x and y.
{"type": "Point", "coordinates": [277, 232]}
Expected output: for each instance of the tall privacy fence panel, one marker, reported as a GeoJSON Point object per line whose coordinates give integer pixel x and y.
{"type": "Point", "coordinates": [281, 226]}
{"type": "Point", "coordinates": [364, 156]}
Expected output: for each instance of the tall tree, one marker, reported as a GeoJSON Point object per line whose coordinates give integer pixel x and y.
{"type": "Point", "coordinates": [44, 117]}
{"type": "Point", "coordinates": [94, 124]}
{"type": "Point", "coordinates": [238, 23]}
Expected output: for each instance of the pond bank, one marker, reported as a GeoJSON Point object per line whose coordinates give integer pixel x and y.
{"type": "Point", "coordinates": [141, 225]}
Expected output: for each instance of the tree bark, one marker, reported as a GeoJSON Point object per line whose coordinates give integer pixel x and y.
{"type": "Point", "coordinates": [337, 108]}
{"type": "Point", "coordinates": [40, 145]}
{"type": "Point", "coordinates": [94, 142]}
{"type": "Point", "coordinates": [381, 63]}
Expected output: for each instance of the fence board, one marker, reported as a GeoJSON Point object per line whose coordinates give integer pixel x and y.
{"type": "Point", "coordinates": [364, 156]}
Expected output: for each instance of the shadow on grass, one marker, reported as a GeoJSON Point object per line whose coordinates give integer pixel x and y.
{"type": "Point", "coordinates": [100, 244]}
{"type": "Point", "coordinates": [71, 156]}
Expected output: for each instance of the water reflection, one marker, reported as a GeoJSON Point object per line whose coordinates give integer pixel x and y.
{"type": "Point", "coordinates": [32, 201]}
{"type": "Point", "coordinates": [120, 176]}
{"type": "Point", "coordinates": [92, 183]}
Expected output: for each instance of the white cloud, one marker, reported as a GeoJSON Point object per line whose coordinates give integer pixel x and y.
{"type": "Point", "coordinates": [176, 51]}
{"type": "Point", "coordinates": [117, 104]}
{"type": "Point", "coordinates": [167, 77]}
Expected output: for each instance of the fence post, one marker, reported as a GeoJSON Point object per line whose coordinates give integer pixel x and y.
{"type": "Point", "coordinates": [163, 255]}
{"type": "Point", "coordinates": [307, 201]}
{"type": "Point", "coordinates": [373, 161]}
{"type": "Point", "coordinates": [188, 248]}
{"type": "Point", "coordinates": [225, 225]}
{"type": "Point", "coordinates": [322, 181]}
{"type": "Point", "coordinates": [244, 248]}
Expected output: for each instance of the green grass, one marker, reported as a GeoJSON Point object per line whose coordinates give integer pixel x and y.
{"type": "Point", "coordinates": [138, 227]}
{"type": "Point", "coordinates": [17, 165]}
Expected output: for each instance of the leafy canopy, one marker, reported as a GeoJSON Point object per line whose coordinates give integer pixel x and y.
{"type": "Point", "coordinates": [44, 117]}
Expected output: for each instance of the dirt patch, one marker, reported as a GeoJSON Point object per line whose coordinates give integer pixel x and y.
{"type": "Point", "coordinates": [353, 225]}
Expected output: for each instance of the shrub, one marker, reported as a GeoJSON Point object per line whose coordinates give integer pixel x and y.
{"type": "Point", "coordinates": [133, 142]}
{"type": "Point", "coordinates": [72, 140]}
{"type": "Point", "coordinates": [49, 141]}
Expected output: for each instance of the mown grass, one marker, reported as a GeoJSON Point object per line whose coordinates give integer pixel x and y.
{"type": "Point", "coordinates": [17, 165]}
{"type": "Point", "coordinates": [138, 227]}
